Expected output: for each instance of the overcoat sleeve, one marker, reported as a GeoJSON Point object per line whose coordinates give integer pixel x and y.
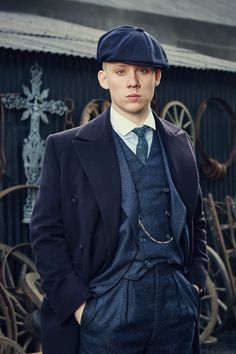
{"type": "Point", "coordinates": [198, 269]}
{"type": "Point", "coordinates": [64, 288]}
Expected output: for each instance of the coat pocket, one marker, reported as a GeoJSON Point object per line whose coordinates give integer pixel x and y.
{"type": "Point", "coordinates": [88, 312]}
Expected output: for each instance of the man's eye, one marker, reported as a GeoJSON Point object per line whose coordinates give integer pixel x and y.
{"type": "Point", "coordinates": [120, 72]}
{"type": "Point", "coordinates": [143, 70]}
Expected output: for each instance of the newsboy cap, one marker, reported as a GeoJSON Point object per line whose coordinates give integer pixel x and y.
{"type": "Point", "coordinates": [131, 45]}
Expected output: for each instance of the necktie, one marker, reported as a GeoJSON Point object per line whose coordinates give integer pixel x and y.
{"type": "Point", "coordinates": [142, 146]}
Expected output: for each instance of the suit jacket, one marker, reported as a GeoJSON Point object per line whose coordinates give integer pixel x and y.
{"type": "Point", "coordinates": [76, 217]}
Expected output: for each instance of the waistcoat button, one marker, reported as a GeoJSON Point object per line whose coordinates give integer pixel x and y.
{"type": "Point", "coordinates": [146, 262]}
{"type": "Point", "coordinates": [143, 239]}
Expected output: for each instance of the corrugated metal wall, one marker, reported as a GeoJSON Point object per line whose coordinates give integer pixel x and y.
{"type": "Point", "coordinates": [192, 87]}
{"type": "Point", "coordinates": [76, 78]}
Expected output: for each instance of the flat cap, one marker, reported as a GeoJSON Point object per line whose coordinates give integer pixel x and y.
{"type": "Point", "coordinates": [131, 45]}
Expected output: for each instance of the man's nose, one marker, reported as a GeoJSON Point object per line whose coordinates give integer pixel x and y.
{"type": "Point", "coordinates": [133, 80]}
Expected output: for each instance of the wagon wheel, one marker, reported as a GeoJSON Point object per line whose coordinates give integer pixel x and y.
{"type": "Point", "coordinates": [8, 345]}
{"type": "Point", "coordinates": [209, 311]}
{"type": "Point", "coordinates": [19, 320]}
{"type": "Point", "coordinates": [31, 287]}
{"type": "Point", "coordinates": [219, 275]}
{"type": "Point", "coordinates": [28, 323]}
{"type": "Point", "coordinates": [177, 113]}
{"type": "Point", "coordinates": [15, 265]}
{"type": "Point", "coordinates": [8, 326]}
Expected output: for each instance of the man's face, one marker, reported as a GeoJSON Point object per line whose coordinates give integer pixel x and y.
{"type": "Point", "coordinates": [131, 87]}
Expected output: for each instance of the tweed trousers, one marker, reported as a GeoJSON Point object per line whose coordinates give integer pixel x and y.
{"type": "Point", "coordinates": [155, 314]}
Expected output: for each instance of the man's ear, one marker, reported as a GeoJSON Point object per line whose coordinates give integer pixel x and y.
{"type": "Point", "coordinates": [158, 76]}
{"type": "Point", "coordinates": [102, 78]}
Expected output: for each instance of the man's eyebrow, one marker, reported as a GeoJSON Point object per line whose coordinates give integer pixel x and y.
{"type": "Point", "coordinates": [120, 65]}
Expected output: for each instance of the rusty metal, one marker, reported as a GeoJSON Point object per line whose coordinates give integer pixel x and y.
{"type": "Point", "coordinates": [7, 345]}
{"type": "Point", "coordinates": [93, 109]}
{"type": "Point", "coordinates": [68, 117]}
{"type": "Point", "coordinates": [223, 228]}
{"type": "Point", "coordinates": [231, 222]}
{"type": "Point", "coordinates": [9, 190]}
{"type": "Point", "coordinates": [31, 287]}
{"type": "Point", "coordinates": [211, 167]}
{"type": "Point", "coordinates": [177, 113]}
{"type": "Point", "coordinates": [14, 260]}
{"type": "Point", "coordinates": [209, 311]}
{"type": "Point", "coordinates": [219, 275]}
{"type": "Point", "coordinates": [27, 321]}
{"type": "Point", "coordinates": [8, 325]}
{"type": "Point", "coordinates": [22, 323]}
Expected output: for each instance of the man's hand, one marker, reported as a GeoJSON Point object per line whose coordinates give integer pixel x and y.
{"type": "Point", "coordinates": [78, 313]}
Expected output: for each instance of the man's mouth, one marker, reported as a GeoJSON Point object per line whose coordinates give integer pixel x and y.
{"type": "Point", "coordinates": [133, 95]}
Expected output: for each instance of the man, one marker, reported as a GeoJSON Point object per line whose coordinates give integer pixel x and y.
{"type": "Point", "coordinates": [118, 230]}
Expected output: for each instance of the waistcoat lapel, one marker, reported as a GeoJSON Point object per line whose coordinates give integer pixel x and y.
{"type": "Point", "coordinates": [129, 201]}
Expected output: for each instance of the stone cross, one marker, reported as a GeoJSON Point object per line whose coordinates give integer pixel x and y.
{"type": "Point", "coordinates": [35, 107]}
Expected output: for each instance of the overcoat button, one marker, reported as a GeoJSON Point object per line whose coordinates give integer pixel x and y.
{"type": "Point", "coordinates": [185, 270]}
{"type": "Point", "coordinates": [74, 199]}
{"type": "Point", "coordinates": [81, 246]}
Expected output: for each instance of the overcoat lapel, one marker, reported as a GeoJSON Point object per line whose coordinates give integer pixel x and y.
{"type": "Point", "coordinates": [181, 163]}
{"type": "Point", "coordinates": [96, 151]}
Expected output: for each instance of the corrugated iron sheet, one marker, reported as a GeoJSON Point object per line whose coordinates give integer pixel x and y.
{"type": "Point", "coordinates": [41, 34]}
{"type": "Point", "coordinates": [215, 11]}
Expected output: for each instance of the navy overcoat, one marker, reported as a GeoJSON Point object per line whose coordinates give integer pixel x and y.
{"type": "Point", "coordinates": [75, 221]}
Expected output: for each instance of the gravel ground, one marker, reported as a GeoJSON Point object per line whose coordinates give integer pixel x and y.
{"type": "Point", "coordinates": [226, 343]}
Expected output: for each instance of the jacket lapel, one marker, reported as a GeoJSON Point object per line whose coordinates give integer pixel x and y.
{"type": "Point", "coordinates": [96, 152]}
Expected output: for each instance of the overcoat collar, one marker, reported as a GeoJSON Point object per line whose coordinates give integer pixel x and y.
{"type": "Point", "coordinates": [96, 151]}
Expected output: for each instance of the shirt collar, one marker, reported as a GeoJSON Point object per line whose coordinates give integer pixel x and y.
{"type": "Point", "coordinates": [123, 125]}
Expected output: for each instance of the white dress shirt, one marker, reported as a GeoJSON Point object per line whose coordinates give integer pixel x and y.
{"type": "Point", "coordinates": [123, 127]}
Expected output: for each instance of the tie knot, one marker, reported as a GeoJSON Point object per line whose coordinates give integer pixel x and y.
{"type": "Point", "coordinates": [140, 132]}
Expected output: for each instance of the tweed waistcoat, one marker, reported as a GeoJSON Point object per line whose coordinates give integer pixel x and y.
{"type": "Point", "coordinates": [146, 191]}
